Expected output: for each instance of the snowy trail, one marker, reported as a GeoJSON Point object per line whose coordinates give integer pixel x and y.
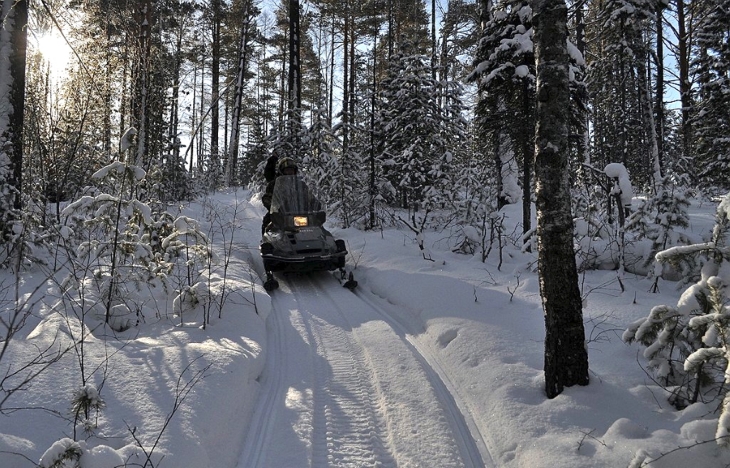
{"type": "Point", "coordinates": [344, 386]}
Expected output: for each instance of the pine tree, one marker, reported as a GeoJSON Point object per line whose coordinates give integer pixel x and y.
{"type": "Point", "coordinates": [408, 120]}
{"type": "Point", "coordinates": [505, 70]}
{"type": "Point", "coordinates": [420, 139]}
{"type": "Point", "coordinates": [566, 358]}
{"type": "Point", "coordinates": [617, 51]}
{"type": "Point", "coordinates": [711, 120]}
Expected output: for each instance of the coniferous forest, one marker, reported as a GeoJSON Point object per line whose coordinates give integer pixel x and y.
{"type": "Point", "coordinates": [414, 104]}
{"type": "Point", "coordinates": [429, 115]}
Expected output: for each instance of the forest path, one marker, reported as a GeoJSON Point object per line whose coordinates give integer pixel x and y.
{"type": "Point", "coordinates": [346, 386]}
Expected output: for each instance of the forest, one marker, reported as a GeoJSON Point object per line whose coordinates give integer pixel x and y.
{"type": "Point", "coordinates": [390, 103]}
{"type": "Point", "coordinates": [428, 115]}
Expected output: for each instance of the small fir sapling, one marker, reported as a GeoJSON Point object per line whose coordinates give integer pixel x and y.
{"type": "Point", "coordinates": [671, 213]}
{"type": "Point", "coordinates": [688, 346]}
{"type": "Point", "coordinates": [658, 220]}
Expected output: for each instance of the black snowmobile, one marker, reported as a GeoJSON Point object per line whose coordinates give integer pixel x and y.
{"type": "Point", "coordinates": [295, 240]}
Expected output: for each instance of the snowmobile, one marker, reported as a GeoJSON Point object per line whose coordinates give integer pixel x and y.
{"type": "Point", "coordinates": [295, 240]}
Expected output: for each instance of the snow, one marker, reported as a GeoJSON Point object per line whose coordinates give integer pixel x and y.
{"type": "Point", "coordinates": [618, 171]}
{"type": "Point", "coordinates": [428, 364]}
{"type": "Point", "coordinates": [120, 168]}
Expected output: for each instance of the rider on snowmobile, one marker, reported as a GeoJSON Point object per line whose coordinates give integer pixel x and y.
{"type": "Point", "coordinates": [284, 166]}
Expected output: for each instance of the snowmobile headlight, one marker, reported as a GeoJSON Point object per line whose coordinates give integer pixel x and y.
{"type": "Point", "coordinates": [300, 221]}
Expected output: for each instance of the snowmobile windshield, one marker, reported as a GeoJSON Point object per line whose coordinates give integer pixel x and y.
{"type": "Point", "coordinates": [292, 196]}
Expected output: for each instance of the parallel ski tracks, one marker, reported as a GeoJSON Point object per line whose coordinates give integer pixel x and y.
{"type": "Point", "coordinates": [357, 403]}
{"type": "Point", "coordinates": [349, 429]}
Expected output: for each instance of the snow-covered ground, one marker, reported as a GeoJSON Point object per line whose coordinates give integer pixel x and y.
{"type": "Point", "coordinates": [427, 364]}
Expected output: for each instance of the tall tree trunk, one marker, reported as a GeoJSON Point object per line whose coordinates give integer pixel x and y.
{"type": "Point", "coordinates": [528, 156]}
{"type": "Point", "coordinates": [685, 91]}
{"type": "Point", "coordinates": [433, 40]}
{"type": "Point", "coordinates": [215, 72]}
{"type": "Point", "coordinates": [584, 154]}
{"type": "Point", "coordinates": [174, 124]}
{"type": "Point", "coordinates": [238, 92]}
{"type": "Point", "coordinates": [391, 32]}
{"type": "Point", "coordinates": [294, 81]}
{"type": "Point", "coordinates": [647, 110]}
{"type": "Point", "coordinates": [660, 86]}
{"type": "Point", "coordinates": [193, 122]}
{"type": "Point", "coordinates": [566, 358]}
{"type": "Point", "coordinates": [126, 92]}
{"type": "Point", "coordinates": [201, 122]}
{"type": "Point", "coordinates": [331, 79]}
{"type": "Point", "coordinates": [108, 101]}
{"type": "Point", "coordinates": [14, 40]}
{"type": "Point", "coordinates": [141, 93]}
{"type": "Point", "coordinates": [372, 188]}
{"type": "Point", "coordinates": [345, 102]}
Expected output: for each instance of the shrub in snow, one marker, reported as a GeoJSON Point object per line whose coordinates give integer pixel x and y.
{"type": "Point", "coordinates": [67, 453]}
{"type": "Point", "coordinates": [64, 453]}
{"type": "Point", "coordinates": [658, 220]}
{"type": "Point", "coordinates": [188, 249]}
{"type": "Point", "coordinates": [688, 346]}
{"type": "Point", "coordinates": [478, 221]}
{"type": "Point", "coordinates": [597, 245]}
{"type": "Point", "coordinates": [190, 297]}
{"type": "Point", "coordinates": [124, 245]}
{"type": "Point", "coordinates": [86, 400]}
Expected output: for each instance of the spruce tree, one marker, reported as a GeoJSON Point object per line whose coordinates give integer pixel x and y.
{"type": "Point", "coordinates": [711, 120]}
{"type": "Point", "coordinates": [687, 344]}
{"type": "Point", "coordinates": [617, 51]}
{"type": "Point", "coordinates": [505, 71]}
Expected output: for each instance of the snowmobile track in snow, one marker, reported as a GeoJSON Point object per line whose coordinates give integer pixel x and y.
{"type": "Point", "coordinates": [346, 386]}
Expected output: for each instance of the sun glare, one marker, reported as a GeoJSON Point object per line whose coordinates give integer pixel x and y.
{"type": "Point", "coordinates": [54, 50]}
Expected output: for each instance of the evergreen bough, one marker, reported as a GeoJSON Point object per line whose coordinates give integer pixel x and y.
{"type": "Point", "coordinates": [688, 346]}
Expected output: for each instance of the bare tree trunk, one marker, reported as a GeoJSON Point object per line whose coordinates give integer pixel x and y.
{"type": "Point", "coordinates": [201, 121]}
{"type": "Point", "coordinates": [19, 41]}
{"type": "Point", "coordinates": [345, 102]}
{"type": "Point", "coordinates": [373, 189]}
{"type": "Point", "coordinates": [142, 84]}
{"type": "Point", "coordinates": [174, 123]}
{"type": "Point", "coordinates": [215, 71]}
{"type": "Point", "coordinates": [126, 91]}
{"type": "Point", "coordinates": [238, 93]}
{"type": "Point", "coordinates": [528, 156]}
{"type": "Point", "coordinates": [685, 91]}
{"type": "Point", "coordinates": [193, 121]}
{"type": "Point", "coordinates": [433, 40]}
{"type": "Point", "coordinates": [566, 358]}
{"type": "Point", "coordinates": [13, 35]}
{"type": "Point", "coordinates": [660, 85]}
{"type": "Point", "coordinates": [294, 82]}
{"type": "Point", "coordinates": [643, 80]}
{"type": "Point", "coordinates": [584, 154]}
{"type": "Point", "coordinates": [108, 89]}
{"type": "Point", "coordinates": [331, 79]}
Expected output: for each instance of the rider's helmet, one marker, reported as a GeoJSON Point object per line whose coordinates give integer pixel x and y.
{"type": "Point", "coordinates": [287, 166]}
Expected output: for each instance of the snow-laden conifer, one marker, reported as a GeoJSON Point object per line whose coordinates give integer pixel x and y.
{"type": "Point", "coordinates": [687, 345]}
{"type": "Point", "coordinates": [122, 244]}
{"type": "Point", "coordinates": [711, 119]}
